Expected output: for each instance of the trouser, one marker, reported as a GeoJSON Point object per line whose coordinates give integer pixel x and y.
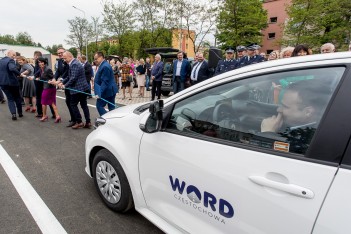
{"type": "Point", "coordinates": [178, 85]}
{"type": "Point", "coordinates": [13, 98]}
{"type": "Point", "coordinates": [100, 104]}
{"type": "Point", "coordinates": [88, 81]}
{"type": "Point", "coordinates": [82, 99]}
{"type": "Point", "coordinates": [39, 87]}
{"type": "Point", "coordinates": [1, 95]}
{"type": "Point", "coordinates": [69, 106]}
{"type": "Point", "coordinates": [147, 83]}
{"type": "Point", "coordinates": [156, 89]}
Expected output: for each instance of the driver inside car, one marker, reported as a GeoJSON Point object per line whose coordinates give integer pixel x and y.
{"type": "Point", "coordinates": [298, 115]}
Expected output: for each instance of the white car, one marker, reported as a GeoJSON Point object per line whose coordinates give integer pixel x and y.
{"type": "Point", "coordinates": [261, 149]}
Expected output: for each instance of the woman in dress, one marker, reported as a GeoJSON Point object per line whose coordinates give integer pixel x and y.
{"type": "Point", "coordinates": [140, 70]}
{"type": "Point", "coordinates": [28, 91]}
{"type": "Point", "coordinates": [48, 97]}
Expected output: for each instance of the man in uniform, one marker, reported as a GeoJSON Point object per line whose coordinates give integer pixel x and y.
{"type": "Point", "coordinates": [241, 52]}
{"type": "Point", "coordinates": [227, 64]}
{"type": "Point", "coordinates": [251, 57]}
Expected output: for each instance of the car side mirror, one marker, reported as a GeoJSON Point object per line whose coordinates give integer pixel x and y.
{"type": "Point", "coordinates": [153, 122]}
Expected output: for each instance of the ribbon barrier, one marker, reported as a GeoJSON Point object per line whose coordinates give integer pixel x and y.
{"type": "Point", "coordinates": [92, 95]}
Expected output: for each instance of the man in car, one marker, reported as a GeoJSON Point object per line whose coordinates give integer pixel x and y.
{"type": "Point", "coordinates": [298, 115]}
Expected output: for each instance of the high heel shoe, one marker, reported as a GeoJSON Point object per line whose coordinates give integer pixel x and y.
{"type": "Point", "coordinates": [58, 119]}
{"type": "Point", "coordinates": [45, 118]}
{"type": "Point", "coordinates": [27, 109]}
{"type": "Point", "coordinates": [33, 110]}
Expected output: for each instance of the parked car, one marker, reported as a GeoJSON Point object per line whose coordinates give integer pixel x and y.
{"type": "Point", "coordinates": [200, 161]}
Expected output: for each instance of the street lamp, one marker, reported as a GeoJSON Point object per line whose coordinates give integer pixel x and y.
{"type": "Point", "coordinates": [86, 38]}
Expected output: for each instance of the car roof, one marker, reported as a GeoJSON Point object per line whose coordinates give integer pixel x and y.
{"type": "Point", "coordinates": [159, 50]}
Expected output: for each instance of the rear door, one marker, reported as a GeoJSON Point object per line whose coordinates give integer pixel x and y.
{"type": "Point", "coordinates": [212, 171]}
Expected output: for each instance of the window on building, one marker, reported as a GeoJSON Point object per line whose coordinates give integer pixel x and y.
{"type": "Point", "coordinates": [273, 20]}
{"type": "Point", "coordinates": [271, 35]}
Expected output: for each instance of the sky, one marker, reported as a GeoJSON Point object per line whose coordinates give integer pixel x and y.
{"type": "Point", "coordinates": [45, 20]}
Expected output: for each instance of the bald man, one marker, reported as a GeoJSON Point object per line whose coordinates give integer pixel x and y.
{"type": "Point", "coordinates": [9, 83]}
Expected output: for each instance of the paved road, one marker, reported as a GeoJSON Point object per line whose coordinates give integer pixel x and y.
{"type": "Point", "coordinates": [52, 159]}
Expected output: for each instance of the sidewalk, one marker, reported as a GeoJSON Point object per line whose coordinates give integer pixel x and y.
{"type": "Point", "coordinates": [135, 97]}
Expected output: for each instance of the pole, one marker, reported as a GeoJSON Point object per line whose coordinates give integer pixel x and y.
{"type": "Point", "coordinates": [86, 37]}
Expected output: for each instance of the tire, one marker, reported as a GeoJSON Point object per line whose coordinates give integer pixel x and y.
{"type": "Point", "coordinates": [165, 93]}
{"type": "Point", "coordinates": [119, 196]}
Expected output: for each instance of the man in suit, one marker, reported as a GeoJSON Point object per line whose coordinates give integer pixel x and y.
{"type": "Point", "coordinates": [62, 72]}
{"type": "Point", "coordinates": [78, 88]}
{"type": "Point", "coordinates": [88, 71]}
{"type": "Point", "coordinates": [156, 77]}
{"type": "Point", "coordinates": [200, 70]}
{"type": "Point", "coordinates": [105, 84]}
{"type": "Point", "coordinates": [181, 70]}
{"type": "Point", "coordinates": [9, 83]}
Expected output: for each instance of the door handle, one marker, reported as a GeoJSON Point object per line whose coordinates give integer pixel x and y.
{"type": "Point", "coordinates": [288, 188]}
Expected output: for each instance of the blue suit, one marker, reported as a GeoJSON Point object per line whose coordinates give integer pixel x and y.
{"type": "Point", "coordinates": [105, 87]}
{"type": "Point", "coordinates": [157, 72]}
{"type": "Point", "coordinates": [179, 81]}
{"type": "Point", "coordinates": [10, 85]}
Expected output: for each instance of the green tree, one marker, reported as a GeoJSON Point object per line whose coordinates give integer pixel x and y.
{"type": "Point", "coordinates": [24, 38]}
{"type": "Point", "coordinates": [240, 22]}
{"type": "Point", "coordinates": [74, 51]}
{"type": "Point", "coordinates": [8, 39]}
{"type": "Point", "coordinates": [315, 22]}
{"type": "Point", "coordinates": [53, 48]}
{"type": "Point", "coordinates": [80, 33]}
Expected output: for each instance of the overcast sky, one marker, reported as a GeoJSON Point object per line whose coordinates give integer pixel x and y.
{"type": "Point", "coordinates": [44, 20]}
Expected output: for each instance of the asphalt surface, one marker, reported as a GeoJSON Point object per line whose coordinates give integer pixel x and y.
{"type": "Point", "coordinates": [51, 157]}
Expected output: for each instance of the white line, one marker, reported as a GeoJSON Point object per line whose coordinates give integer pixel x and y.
{"type": "Point", "coordinates": [88, 104]}
{"type": "Point", "coordinates": [42, 215]}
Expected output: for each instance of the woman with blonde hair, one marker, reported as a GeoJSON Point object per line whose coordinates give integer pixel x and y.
{"type": "Point", "coordinates": [274, 55]}
{"type": "Point", "coordinates": [287, 52]}
{"type": "Point", "coordinates": [140, 70]}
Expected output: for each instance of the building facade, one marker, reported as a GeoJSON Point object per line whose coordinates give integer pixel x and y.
{"type": "Point", "coordinates": [277, 16]}
{"type": "Point", "coordinates": [185, 43]}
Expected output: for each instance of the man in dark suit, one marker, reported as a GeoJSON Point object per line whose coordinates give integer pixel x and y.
{"type": "Point", "coordinates": [9, 83]}
{"type": "Point", "coordinates": [200, 70]}
{"type": "Point", "coordinates": [105, 84]}
{"type": "Point", "coordinates": [156, 77]}
{"type": "Point", "coordinates": [181, 70]}
{"type": "Point", "coordinates": [88, 71]}
{"type": "Point", "coordinates": [78, 88]}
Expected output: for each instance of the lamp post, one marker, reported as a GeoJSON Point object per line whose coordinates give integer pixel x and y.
{"type": "Point", "coordinates": [86, 38]}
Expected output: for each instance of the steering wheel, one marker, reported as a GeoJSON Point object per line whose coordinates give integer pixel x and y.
{"type": "Point", "coordinates": [223, 115]}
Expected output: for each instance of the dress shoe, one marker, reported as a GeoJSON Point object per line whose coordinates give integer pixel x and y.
{"type": "Point", "coordinates": [147, 89]}
{"type": "Point", "coordinates": [14, 117]}
{"type": "Point", "coordinates": [87, 125]}
{"type": "Point", "coordinates": [38, 116]}
{"type": "Point", "coordinates": [3, 101]}
{"type": "Point", "coordinates": [78, 125]}
{"type": "Point", "coordinates": [71, 124]}
{"type": "Point", "coordinates": [20, 115]}
{"type": "Point", "coordinates": [58, 119]}
{"type": "Point", "coordinates": [44, 118]}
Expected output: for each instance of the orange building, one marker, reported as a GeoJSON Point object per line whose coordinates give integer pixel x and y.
{"type": "Point", "coordinates": [277, 17]}
{"type": "Point", "coordinates": [185, 44]}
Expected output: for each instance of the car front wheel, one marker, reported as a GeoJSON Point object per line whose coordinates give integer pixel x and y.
{"type": "Point", "coordinates": [111, 182]}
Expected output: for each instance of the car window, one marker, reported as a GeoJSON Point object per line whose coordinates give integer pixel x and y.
{"type": "Point", "coordinates": [279, 111]}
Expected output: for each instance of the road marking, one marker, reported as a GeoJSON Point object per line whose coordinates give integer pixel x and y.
{"type": "Point", "coordinates": [65, 99]}
{"type": "Point", "coordinates": [42, 215]}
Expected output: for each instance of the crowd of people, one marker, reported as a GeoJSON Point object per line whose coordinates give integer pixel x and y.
{"type": "Point", "coordinates": [34, 86]}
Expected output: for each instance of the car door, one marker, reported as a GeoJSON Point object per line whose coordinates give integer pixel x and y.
{"type": "Point", "coordinates": [212, 169]}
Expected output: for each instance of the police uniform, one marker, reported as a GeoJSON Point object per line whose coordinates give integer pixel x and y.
{"type": "Point", "coordinates": [239, 49]}
{"type": "Point", "coordinates": [247, 60]}
{"type": "Point", "coordinates": [225, 65]}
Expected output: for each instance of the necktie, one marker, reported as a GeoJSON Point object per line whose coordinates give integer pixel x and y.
{"type": "Point", "coordinates": [195, 70]}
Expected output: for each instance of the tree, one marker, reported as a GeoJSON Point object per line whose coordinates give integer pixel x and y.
{"type": "Point", "coordinates": [8, 39]}
{"type": "Point", "coordinates": [74, 51]}
{"type": "Point", "coordinates": [199, 19]}
{"type": "Point", "coordinates": [80, 32]}
{"type": "Point", "coordinates": [315, 22]}
{"type": "Point", "coordinates": [24, 38]}
{"type": "Point", "coordinates": [53, 48]}
{"type": "Point", "coordinates": [240, 22]}
{"type": "Point", "coordinates": [118, 18]}
{"type": "Point", "coordinates": [97, 29]}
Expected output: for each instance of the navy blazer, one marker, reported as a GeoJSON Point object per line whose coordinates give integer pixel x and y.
{"type": "Point", "coordinates": [88, 71]}
{"type": "Point", "coordinates": [8, 72]}
{"type": "Point", "coordinates": [104, 78]}
{"type": "Point", "coordinates": [185, 70]}
{"type": "Point", "coordinates": [203, 72]}
{"type": "Point", "coordinates": [76, 78]}
{"type": "Point", "coordinates": [62, 69]}
{"type": "Point", "coordinates": [157, 71]}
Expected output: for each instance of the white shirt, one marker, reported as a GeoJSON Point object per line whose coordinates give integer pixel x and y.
{"type": "Point", "coordinates": [179, 66]}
